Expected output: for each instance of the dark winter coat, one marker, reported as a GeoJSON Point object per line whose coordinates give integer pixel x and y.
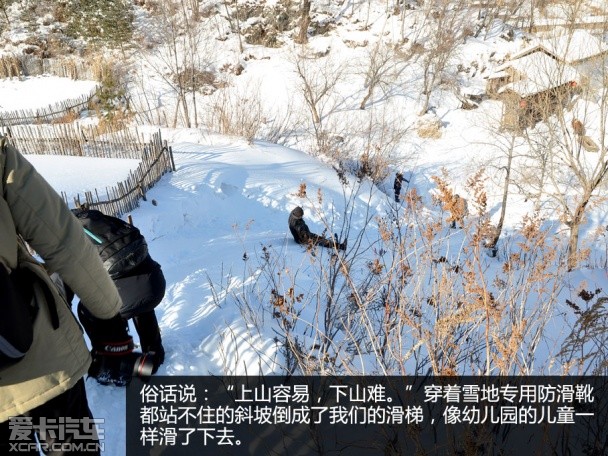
{"type": "Point", "coordinates": [142, 289]}
{"type": "Point", "coordinates": [300, 231]}
{"type": "Point", "coordinates": [302, 234]}
{"type": "Point", "coordinates": [58, 358]}
{"type": "Point", "coordinates": [397, 184]}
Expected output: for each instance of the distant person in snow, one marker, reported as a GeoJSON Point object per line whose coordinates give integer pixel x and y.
{"type": "Point", "coordinates": [459, 209]}
{"type": "Point", "coordinates": [397, 185]}
{"type": "Point", "coordinates": [302, 235]}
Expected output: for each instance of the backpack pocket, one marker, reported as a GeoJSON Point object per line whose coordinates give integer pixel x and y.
{"type": "Point", "coordinates": [18, 314]}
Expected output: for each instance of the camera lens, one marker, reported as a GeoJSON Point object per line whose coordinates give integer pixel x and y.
{"type": "Point", "coordinates": [143, 365]}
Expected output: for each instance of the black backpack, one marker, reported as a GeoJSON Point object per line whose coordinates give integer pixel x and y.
{"type": "Point", "coordinates": [16, 325]}
{"type": "Point", "coordinates": [120, 245]}
{"type": "Point", "coordinates": [19, 309]}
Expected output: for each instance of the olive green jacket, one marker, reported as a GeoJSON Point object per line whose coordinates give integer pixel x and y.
{"type": "Point", "coordinates": [58, 358]}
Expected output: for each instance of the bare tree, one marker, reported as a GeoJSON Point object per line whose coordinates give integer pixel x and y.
{"type": "Point", "coordinates": [318, 78]}
{"type": "Point", "coordinates": [379, 70]}
{"type": "Point", "coordinates": [444, 27]}
{"type": "Point", "coordinates": [234, 20]}
{"type": "Point", "coordinates": [510, 147]}
{"type": "Point", "coordinates": [177, 58]}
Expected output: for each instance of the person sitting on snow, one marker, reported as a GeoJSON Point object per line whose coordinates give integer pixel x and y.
{"type": "Point", "coordinates": [303, 235]}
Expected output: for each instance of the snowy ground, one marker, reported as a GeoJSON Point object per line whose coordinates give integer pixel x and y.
{"type": "Point", "coordinates": [75, 175]}
{"type": "Point", "coordinates": [42, 91]}
{"type": "Point", "coordinates": [225, 200]}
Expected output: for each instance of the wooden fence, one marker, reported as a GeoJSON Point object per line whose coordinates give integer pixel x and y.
{"type": "Point", "coordinates": [75, 140]}
{"type": "Point", "coordinates": [50, 113]}
{"type": "Point", "coordinates": [17, 65]}
{"type": "Point", "coordinates": [156, 160]}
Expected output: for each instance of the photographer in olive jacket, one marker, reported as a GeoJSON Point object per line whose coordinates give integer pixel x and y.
{"type": "Point", "coordinates": [48, 381]}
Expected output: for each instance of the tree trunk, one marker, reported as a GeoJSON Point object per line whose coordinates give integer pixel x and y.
{"type": "Point", "coordinates": [185, 110]}
{"type": "Point", "coordinates": [427, 89]}
{"type": "Point", "coordinates": [573, 246]}
{"type": "Point", "coordinates": [304, 22]}
{"type": "Point", "coordinates": [575, 225]}
{"type": "Point", "coordinates": [238, 26]}
{"type": "Point", "coordinates": [367, 97]}
{"type": "Point", "coordinates": [176, 113]}
{"type": "Point", "coordinates": [316, 118]}
{"type": "Point", "coordinates": [503, 209]}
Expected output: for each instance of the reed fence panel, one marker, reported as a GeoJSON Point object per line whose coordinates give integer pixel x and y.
{"type": "Point", "coordinates": [51, 113]}
{"type": "Point", "coordinates": [156, 161]}
{"type": "Point", "coordinates": [75, 140]}
{"type": "Point", "coordinates": [18, 65]}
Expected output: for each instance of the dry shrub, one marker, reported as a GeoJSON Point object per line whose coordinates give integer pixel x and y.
{"type": "Point", "coordinates": [329, 145]}
{"type": "Point", "coordinates": [301, 193]}
{"type": "Point", "coordinates": [356, 43]}
{"type": "Point", "coordinates": [232, 113]}
{"type": "Point", "coordinates": [111, 102]}
{"type": "Point", "coordinates": [10, 66]}
{"type": "Point", "coordinates": [119, 120]}
{"type": "Point", "coordinates": [266, 23]}
{"type": "Point", "coordinates": [262, 35]}
{"type": "Point", "coordinates": [56, 46]}
{"type": "Point", "coordinates": [70, 116]}
{"type": "Point", "coordinates": [429, 127]}
{"type": "Point", "coordinates": [203, 81]}
{"type": "Point", "coordinates": [413, 200]}
{"type": "Point", "coordinates": [451, 202]}
{"type": "Point", "coordinates": [70, 68]}
{"type": "Point", "coordinates": [584, 350]}
{"type": "Point", "coordinates": [103, 68]}
{"type": "Point", "coordinates": [375, 166]}
{"type": "Point", "coordinates": [418, 301]}
{"type": "Point", "coordinates": [236, 69]}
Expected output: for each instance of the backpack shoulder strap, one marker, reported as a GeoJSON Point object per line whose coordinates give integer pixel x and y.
{"type": "Point", "coordinates": [24, 257]}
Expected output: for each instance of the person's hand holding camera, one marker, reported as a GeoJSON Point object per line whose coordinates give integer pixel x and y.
{"type": "Point", "coordinates": [112, 350]}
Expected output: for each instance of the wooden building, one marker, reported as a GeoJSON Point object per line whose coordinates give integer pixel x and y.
{"type": "Point", "coordinates": [542, 77]}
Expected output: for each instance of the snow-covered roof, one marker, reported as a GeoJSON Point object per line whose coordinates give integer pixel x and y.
{"type": "Point", "coordinates": [570, 48]}
{"type": "Point", "coordinates": [498, 75]}
{"type": "Point", "coordinates": [540, 73]}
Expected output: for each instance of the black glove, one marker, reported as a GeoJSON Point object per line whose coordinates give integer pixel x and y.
{"type": "Point", "coordinates": [112, 348]}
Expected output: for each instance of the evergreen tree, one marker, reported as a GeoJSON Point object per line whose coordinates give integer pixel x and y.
{"type": "Point", "coordinates": [109, 22]}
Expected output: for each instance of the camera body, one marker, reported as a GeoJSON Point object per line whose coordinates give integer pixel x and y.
{"type": "Point", "coordinates": [119, 370]}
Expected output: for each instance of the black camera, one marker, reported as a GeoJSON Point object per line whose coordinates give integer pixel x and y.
{"type": "Point", "coordinates": [119, 370]}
